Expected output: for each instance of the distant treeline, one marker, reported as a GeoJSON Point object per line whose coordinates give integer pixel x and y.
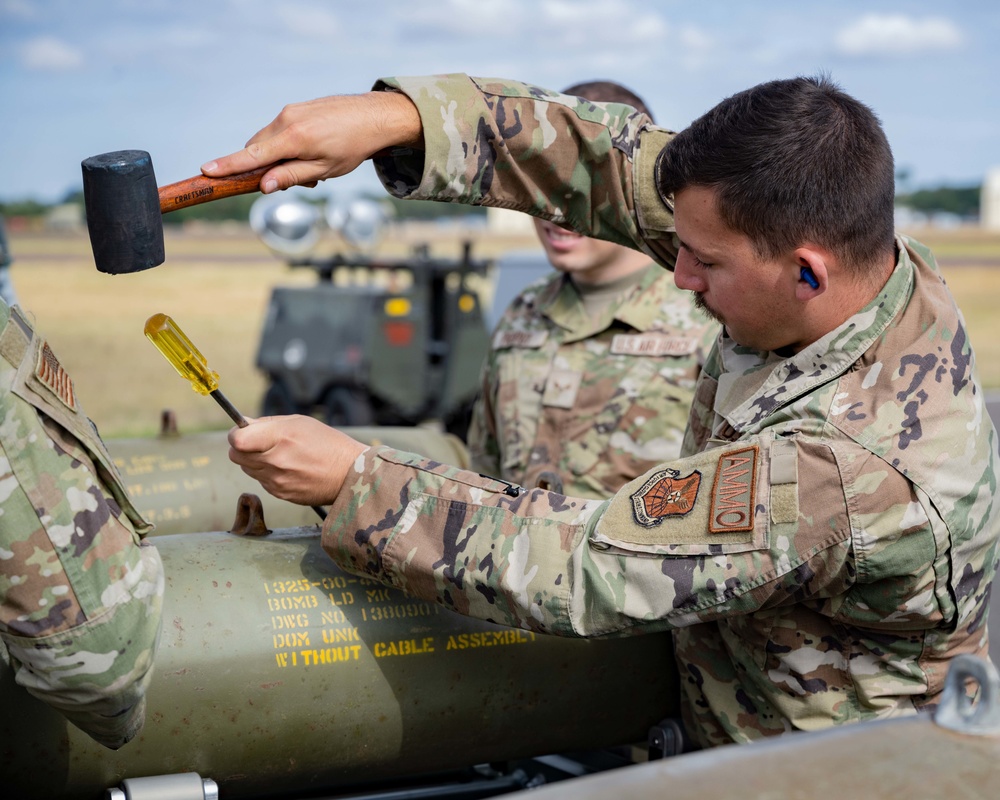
{"type": "Point", "coordinates": [960, 200]}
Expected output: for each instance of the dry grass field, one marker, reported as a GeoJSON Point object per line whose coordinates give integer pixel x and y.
{"type": "Point", "coordinates": [216, 284]}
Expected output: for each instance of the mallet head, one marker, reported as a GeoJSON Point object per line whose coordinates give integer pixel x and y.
{"type": "Point", "coordinates": [123, 211]}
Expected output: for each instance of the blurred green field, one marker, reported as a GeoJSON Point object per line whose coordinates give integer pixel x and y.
{"type": "Point", "coordinates": [216, 284]}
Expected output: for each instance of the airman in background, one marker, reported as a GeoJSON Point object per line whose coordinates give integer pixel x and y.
{"type": "Point", "coordinates": [80, 593]}
{"type": "Point", "coordinates": [591, 371]}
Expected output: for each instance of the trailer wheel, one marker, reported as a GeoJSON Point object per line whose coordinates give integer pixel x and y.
{"type": "Point", "coordinates": [343, 405]}
{"type": "Point", "coordinates": [278, 401]}
{"type": "Point", "coordinates": [458, 419]}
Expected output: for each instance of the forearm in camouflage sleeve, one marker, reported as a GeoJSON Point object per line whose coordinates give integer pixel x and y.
{"type": "Point", "coordinates": [731, 539]}
{"type": "Point", "coordinates": [473, 544]}
{"type": "Point", "coordinates": [507, 144]}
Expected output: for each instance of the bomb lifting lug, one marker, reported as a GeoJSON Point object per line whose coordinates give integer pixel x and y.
{"type": "Point", "coordinates": [249, 517]}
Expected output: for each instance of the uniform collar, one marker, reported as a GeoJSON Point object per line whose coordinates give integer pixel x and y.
{"type": "Point", "coordinates": [560, 302]}
{"type": "Point", "coordinates": [754, 384]}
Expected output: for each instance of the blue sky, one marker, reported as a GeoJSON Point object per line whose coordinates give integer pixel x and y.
{"type": "Point", "coordinates": [189, 81]}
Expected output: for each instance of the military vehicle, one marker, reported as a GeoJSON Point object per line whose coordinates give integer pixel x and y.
{"type": "Point", "coordinates": [376, 340]}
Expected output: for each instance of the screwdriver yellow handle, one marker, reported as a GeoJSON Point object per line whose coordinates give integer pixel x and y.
{"type": "Point", "coordinates": [179, 351]}
{"type": "Point", "coordinates": [190, 364]}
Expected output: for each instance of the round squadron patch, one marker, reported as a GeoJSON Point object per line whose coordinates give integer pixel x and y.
{"type": "Point", "coordinates": [665, 494]}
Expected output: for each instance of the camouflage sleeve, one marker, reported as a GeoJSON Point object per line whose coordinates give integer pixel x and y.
{"type": "Point", "coordinates": [759, 523]}
{"type": "Point", "coordinates": [80, 597]}
{"type": "Point", "coordinates": [588, 166]}
{"type": "Point", "coordinates": [484, 448]}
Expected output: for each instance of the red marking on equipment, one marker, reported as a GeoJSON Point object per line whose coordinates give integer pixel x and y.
{"type": "Point", "coordinates": [398, 334]}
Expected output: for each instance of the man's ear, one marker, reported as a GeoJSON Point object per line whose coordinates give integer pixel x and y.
{"type": "Point", "coordinates": [813, 278]}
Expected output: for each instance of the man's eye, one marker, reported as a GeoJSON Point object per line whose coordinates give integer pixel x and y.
{"type": "Point", "coordinates": [697, 261]}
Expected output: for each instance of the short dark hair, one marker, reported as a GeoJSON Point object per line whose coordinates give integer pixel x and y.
{"type": "Point", "coordinates": [791, 162]}
{"type": "Point", "coordinates": [608, 92]}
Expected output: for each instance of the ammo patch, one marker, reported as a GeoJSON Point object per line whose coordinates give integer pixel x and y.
{"type": "Point", "coordinates": [733, 491]}
{"type": "Point", "coordinates": [50, 372]}
{"type": "Point", "coordinates": [665, 494]}
{"type": "Point", "coordinates": [652, 344]}
{"type": "Point", "coordinates": [524, 340]}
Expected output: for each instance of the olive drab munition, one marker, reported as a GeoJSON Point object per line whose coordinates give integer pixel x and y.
{"type": "Point", "coordinates": [280, 675]}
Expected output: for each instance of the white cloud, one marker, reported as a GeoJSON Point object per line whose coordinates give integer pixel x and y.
{"type": "Point", "coordinates": [309, 21]}
{"type": "Point", "coordinates": [50, 54]}
{"type": "Point", "coordinates": [696, 48]}
{"type": "Point", "coordinates": [897, 35]}
{"type": "Point", "coordinates": [465, 18]}
{"type": "Point", "coordinates": [19, 9]}
{"type": "Point", "coordinates": [188, 38]}
{"type": "Point", "coordinates": [536, 27]}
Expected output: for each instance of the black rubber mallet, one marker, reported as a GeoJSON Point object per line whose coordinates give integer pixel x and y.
{"type": "Point", "coordinates": [125, 208]}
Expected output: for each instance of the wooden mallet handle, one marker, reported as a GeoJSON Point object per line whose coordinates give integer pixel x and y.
{"type": "Point", "coordinates": [202, 189]}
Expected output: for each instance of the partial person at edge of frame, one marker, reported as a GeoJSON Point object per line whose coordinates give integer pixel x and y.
{"type": "Point", "coordinates": [80, 593]}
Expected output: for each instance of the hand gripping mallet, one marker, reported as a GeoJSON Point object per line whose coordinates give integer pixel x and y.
{"type": "Point", "coordinates": [125, 208]}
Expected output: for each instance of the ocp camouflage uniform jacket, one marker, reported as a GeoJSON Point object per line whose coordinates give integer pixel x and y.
{"type": "Point", "coordinates": [594, 402]}
{"type": "Point", "coordinates": [828, 541]}
{"type": "Point", "coordinates": [80, 598]}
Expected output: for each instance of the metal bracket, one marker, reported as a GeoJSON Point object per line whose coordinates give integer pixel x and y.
{"type": "Point", "coordinates": [249, 517]}
{"type": "Point", "coordinates": [957, 711]}
{"type": "Point", "coordinates": [550, 481]}
{"type": "Point", "coordinates": [168, 424]}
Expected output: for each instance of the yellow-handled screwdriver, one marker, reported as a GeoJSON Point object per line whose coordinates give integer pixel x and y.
{"type": "Point", "coordinates": [190, 364]}
{"type": "Point", "coordinates": [175, 346]}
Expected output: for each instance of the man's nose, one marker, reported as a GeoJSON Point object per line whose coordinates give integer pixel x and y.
{"type": "Point", "coordinates": [686, 275]}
